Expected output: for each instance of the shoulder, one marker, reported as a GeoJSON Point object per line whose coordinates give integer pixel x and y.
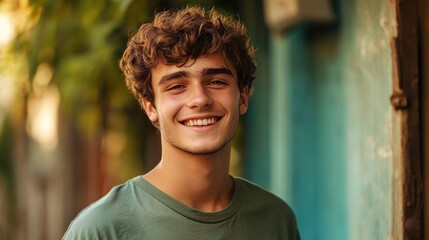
{"type": "Point", "coordinates": [259, 203]}
{"type": "Point", "coordinates": [257, 198]}
{"type": "Point", "coordinates": [254, 191]}
{"type": "Point", "coordinates": [103, 218]}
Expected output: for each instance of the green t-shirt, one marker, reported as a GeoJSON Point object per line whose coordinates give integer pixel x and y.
{"type": "Point", "coordinates": [138, 210]}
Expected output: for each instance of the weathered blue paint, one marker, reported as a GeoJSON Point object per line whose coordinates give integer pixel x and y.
{"type": "Point", "coordinates": [330, 123]}
{"type": "Point", "coordinates": [369, 128]}
{"type": "Point", "coordinates": [308, 149]}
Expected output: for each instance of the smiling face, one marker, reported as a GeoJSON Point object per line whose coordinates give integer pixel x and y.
{"type": "Point", "coordinates": [197, 105]}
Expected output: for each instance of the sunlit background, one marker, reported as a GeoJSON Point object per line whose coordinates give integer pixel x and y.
{"type": "Point", "coordinates": [69, 128]}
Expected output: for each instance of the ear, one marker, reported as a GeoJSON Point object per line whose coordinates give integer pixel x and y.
{"type": "Point", "coordinates": [244, 100]}
{"type": "Point", "coordinates": [150, 110]}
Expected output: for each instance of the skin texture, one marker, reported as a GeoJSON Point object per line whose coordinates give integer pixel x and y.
{"type": "Point", "coordinates": [194, 167]}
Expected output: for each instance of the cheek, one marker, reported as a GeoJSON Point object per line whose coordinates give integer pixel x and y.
{"type": "Point", "coordinates": [168, 108]}
{"type": "Point", "coordinates": [233, 104]}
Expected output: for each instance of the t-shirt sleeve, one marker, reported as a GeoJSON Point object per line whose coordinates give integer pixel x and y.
{"type": "Point", "coordinates": [294, 232]}
{"type": "Point", "coordinates": [82, 233]}
{"type": "Point", "coordinates": [107, 218]}
{"type": "Point", "coordinates": [74, 233]}
{"type": "Point", "coordinates": [87, 226]}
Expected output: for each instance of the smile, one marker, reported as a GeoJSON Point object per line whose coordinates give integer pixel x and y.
{"type": "Point", "coordinates": [200, 122]}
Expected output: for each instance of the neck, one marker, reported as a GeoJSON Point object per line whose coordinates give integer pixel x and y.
{"type": "Point", "coordinates": [199, 181]}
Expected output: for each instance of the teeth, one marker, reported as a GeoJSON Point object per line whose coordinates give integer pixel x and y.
{"type": "Point", "coordinates": [201, 122]}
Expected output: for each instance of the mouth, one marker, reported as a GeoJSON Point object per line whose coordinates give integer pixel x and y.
{"type": "Point", "coordinates": [201, 122]}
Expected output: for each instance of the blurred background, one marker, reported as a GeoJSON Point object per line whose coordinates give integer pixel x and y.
{"type": "Point", "coordinates": [320, 132]}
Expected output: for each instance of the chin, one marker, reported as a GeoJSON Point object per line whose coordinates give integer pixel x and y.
{"type": "Point", "coordinates": [203, 150]}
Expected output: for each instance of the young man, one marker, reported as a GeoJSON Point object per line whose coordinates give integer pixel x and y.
{"type": "Point", "coordinates": [192, 73]}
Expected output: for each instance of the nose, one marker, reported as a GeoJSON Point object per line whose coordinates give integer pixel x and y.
{"type": "Point", "coordinates": [199, 98]}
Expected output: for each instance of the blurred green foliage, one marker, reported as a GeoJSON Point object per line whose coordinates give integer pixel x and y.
{"type": "Point", "coordinates": [82, 41]}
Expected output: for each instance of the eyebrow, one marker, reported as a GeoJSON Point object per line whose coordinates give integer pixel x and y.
{"type": "Point", "coordinates": [183, 74]}
{"type": "Point", "coordinates": [214, 71]}
{"type": "Point", "coordinates": [172, 76]}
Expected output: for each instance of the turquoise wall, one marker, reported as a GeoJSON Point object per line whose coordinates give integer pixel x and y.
{"type": "Point", "coordinates": [308, 131]}
{"type": "Point", "coordinates": [321, 129]}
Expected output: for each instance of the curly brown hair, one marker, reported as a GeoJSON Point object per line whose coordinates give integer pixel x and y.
{"type": "Point", "coordinates": [176, 36]}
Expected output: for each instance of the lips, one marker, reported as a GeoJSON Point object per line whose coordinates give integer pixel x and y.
{"type": "Point", "coordinates": [201, 122]}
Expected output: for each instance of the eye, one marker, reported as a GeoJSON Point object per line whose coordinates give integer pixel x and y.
{"type": "Point", "coordinates": [217, 82]}
{"type": "Point", "coordinates": [175, 87]}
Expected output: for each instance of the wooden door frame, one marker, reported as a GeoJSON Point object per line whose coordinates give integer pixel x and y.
{"type": "Point", "coordinates": [407, 99]}
{"type": "Point", "coordinates": [424, 98]}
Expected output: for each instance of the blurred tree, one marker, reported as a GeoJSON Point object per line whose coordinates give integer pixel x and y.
{"type": "Point", "coordinates": [81, 41]}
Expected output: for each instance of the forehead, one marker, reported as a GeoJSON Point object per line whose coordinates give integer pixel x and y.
{"type": "Point", "coordinates": [192, 66]}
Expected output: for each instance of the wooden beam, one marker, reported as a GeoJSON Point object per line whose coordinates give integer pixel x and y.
{"type": "Point", "coordinates": [406, 80]}
{"type": "Point", "coordinates": [424, 85]}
